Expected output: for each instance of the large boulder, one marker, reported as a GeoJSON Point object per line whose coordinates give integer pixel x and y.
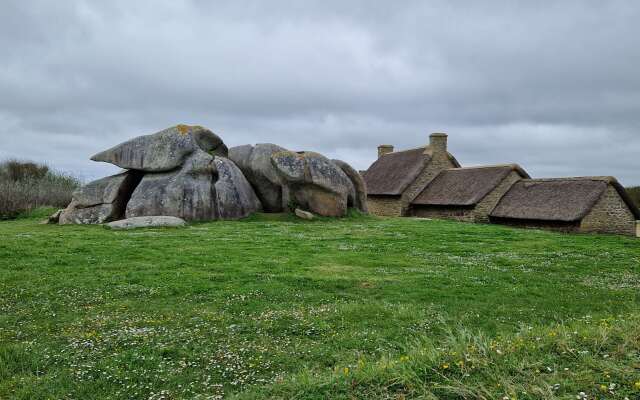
{"type": "Point", "coordinates": [204, 188]}
{"type": "Point", "coordinates": [313, 182]}
{"type": "Point", "coordinates": [235, 198]}
{"type": "Point", "coordinates": [163, 151]}
{"type": "Point", "coordinates": [284, 179]}
{"type": "Point", "coordinates": [358, 196]}
{"type": "Point", "coordinates": [101, 201]}
{"type": "Point", "coordinates": [255, 163]}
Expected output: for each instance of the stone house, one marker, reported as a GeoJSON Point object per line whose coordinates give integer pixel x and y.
{"type": "Point", "coordinates": [466, 194]}
{"type": "Point", "coordinates": [584, 204]}
{"type": "Point", "coordinates": [395, 178]}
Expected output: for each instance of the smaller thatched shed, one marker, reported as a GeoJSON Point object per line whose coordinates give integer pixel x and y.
{"type": "Point", "coordinates": [584, 204]}
{"type": "Point", "coordinates": [466, 194]}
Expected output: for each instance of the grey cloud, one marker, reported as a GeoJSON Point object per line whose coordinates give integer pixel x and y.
{"type": "Point", "coordinates": [551, 86]}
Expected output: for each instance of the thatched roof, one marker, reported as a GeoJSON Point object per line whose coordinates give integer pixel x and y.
{"type": "Point", "coordinates": [465, 186]}
{"type": "Point", "coordinates": [392, 173]}
{"type": "Point", "coordinates": [559, 199]}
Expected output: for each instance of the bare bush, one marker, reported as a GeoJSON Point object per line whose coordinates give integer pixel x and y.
{"type": "Point", "coordinates": [26, 185]}
{"type": "Point", "coordinates": [634, 192]}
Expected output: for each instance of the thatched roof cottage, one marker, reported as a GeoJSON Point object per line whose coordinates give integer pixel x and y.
{"type": "Point", "coordinates": [585, 204]}
{"type": "Point", "coordinates": [395, 178]}
{"type": "Point", "coordinates": [466, 194]}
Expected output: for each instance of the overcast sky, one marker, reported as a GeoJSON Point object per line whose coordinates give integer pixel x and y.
{"type": "Point", "coordinates": [555, 88]}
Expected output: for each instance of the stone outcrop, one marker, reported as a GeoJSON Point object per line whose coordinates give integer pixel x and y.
{"type": "Point", "coordinates": [204, 188]}
{"type": "Point", "coordinates": [101, 201]}
{"type": "Point", "coordinates": [284, 180]}
{"type": "Point", "coordinates": [187, 172]}
{"type": "Point", "coordinates": [235, 198]}
{"type": "Point", "coordinates": [313, 182]}
{"type": "Point", "coordinates": [255, 163]}
{"type": "Point", "coordinates": [357, 197]}
{"type": "Point", "coordinates": [163, 151]}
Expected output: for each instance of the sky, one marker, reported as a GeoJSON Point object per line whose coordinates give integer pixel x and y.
{"type": "Point", "coordinates": [552, 86]}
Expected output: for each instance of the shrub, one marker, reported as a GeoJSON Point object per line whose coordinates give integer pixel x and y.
{"type": "Point", "coordinates": [27, 185]}
{"type": "Point", "coordinates": [634, 192]}
{"type": "Point", "coordinates": [20, 171]}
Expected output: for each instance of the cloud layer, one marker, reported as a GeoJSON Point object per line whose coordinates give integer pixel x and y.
{"type": "Point", "coordinates": [554, 87]}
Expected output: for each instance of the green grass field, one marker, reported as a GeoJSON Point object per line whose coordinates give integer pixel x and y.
{"type": "Point", "coordinates": [357, 308]}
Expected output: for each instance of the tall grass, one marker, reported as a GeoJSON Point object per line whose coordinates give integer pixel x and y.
{"type": "Point", "coordinates": [27, 185]}
{"type": "Point", "coordinates": [583, 359]}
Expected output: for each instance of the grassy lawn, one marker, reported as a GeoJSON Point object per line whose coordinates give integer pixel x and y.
{"type": "Point", "coordinates": [361, 307]}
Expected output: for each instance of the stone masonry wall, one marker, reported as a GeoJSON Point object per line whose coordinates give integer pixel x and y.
{"type": "Point", "coordinates": [439, 161]}
{"type": "Point", "coordinates": [569, 227]}
{"type": "Point", "coordinates": [388, 206]}
{"type": "Point", "coordinates": [610, 215]}
{"type": "Point", "coordinates": [490, 201]}
{"type": "Point", "coordinates": [457, 214]}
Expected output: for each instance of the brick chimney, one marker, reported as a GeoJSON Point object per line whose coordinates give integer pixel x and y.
{"type": "Point", "coordinates": [438, 142]}
{"type": "Point", "coordinates": [384, 149]}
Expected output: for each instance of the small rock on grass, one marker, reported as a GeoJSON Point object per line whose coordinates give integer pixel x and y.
{"type": "Point", "coordinates": [146, 222]}
{"type": "Point", "coordinates": [53, 218]}
{"type": "Point", "coordinates": [304, 214]}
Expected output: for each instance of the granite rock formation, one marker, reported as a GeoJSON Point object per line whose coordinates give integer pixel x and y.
{"type": "Point", "coordinates": [188, 172]}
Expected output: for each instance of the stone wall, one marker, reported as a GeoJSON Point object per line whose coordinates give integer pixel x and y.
{"type": "Point", "coordinates": [610, 215]}
{"type": "Point", "coordinates": [490, 201]}
{"type": "Point", "coordinates": [387, 206]}
{"type": "Point", "coordinates": [463, 214]}
{"type": "Point", "coordinates": [559, 226]}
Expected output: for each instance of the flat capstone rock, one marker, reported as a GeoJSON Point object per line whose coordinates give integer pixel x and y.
{"type": "Point", "coordinates": [146, 222]}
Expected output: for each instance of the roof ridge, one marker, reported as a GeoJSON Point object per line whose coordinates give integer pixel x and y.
{"type": "Point", "coordinates": [512, 166]}
{"type": "Point", "coordinates": [508, 165]}
{"type": "Point", "coordinates": [406, 150]}
{"type": "Point", "coordinates": [603, 178]}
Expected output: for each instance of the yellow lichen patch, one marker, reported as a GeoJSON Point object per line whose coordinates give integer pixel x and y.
{"type": "Point", "coordinates": [183, 129]}
{"type": "Point", "coordinates": [284, 153]}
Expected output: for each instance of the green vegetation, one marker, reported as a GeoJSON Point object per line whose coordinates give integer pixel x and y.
{"type": "Point", "coordinates": [357, 308]}
{"type": "Point", "coordinates": [634, 192]}
{"type": "Point", "coordinates": [26, 185]}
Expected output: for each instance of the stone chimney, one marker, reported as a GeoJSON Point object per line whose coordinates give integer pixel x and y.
{"type": "Point", "coordinates": [438, 142]}
{"type": "Point", "coordinates": [384, 149]}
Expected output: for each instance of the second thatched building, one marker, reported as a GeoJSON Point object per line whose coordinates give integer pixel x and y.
{"type": "Point", "coordinates": [466, 194]}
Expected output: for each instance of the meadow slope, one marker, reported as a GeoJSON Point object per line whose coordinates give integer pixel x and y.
{"type": "Point", "coordinates": [361, 307]}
